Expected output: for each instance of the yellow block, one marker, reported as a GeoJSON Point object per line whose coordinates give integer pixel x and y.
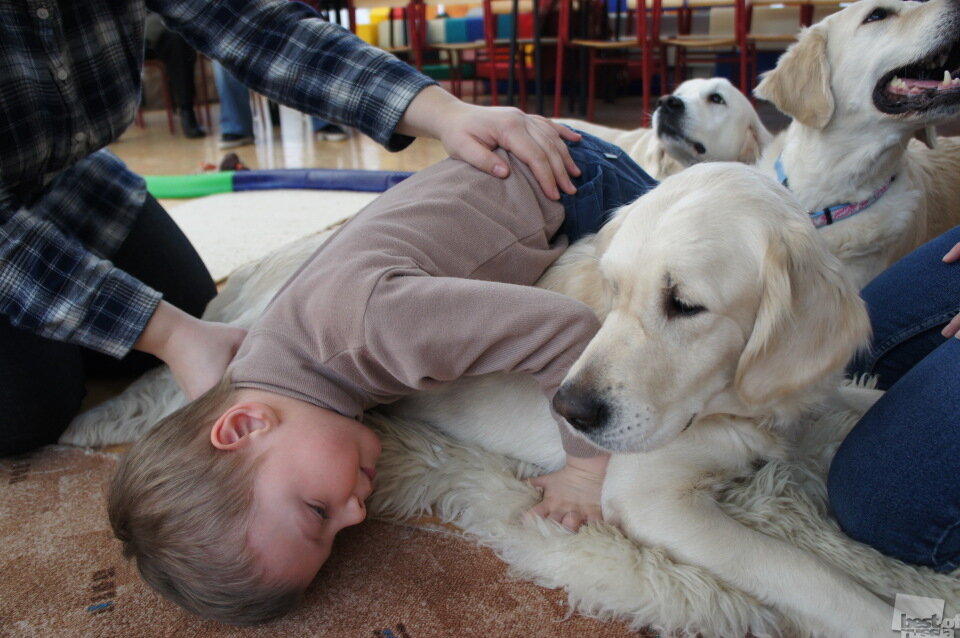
{"type": "Point", "coordinates": [379, 15]}
{"type": "Point", "coordinates": [367, 33]}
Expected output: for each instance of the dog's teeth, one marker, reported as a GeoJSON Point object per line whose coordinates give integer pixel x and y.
{"type": "Point", "coordinates": [897, 84]}
{"type": "Point", "coordinates": [946, 78]}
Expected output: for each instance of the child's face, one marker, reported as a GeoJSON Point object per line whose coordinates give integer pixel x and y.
{"type": "Point", "coordinates": [316, 472]}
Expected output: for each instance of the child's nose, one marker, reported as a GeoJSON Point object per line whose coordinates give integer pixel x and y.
{"type": "Point", "coordinates": [355, 512]}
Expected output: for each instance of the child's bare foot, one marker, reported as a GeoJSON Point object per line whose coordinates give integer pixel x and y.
{"type": "Point", "coordinates": [571, 495]}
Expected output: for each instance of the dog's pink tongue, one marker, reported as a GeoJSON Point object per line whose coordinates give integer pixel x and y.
{"type": "Point", "coordinates": [909, 86]}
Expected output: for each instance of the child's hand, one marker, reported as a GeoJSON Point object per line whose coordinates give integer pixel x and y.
{"type": "Point", "coordinates": [571, 496]}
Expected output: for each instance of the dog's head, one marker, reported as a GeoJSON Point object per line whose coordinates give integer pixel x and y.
{"type": "Point", "coordinates": [876, 61]}
{"type": "Point", "coordinates": [709, 121]}
{"type": "Point", "coordinates": [723, 301]}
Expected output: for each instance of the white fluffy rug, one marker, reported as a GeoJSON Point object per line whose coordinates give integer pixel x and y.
{"type": "Point", "coordinates": [232, 229]}
{"type": "Point", "coordinates": [605, 574]}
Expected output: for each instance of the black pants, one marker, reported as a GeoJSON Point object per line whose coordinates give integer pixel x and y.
{"type": "Point", "coordinates": [42, 381]}
{"type": "Point", "coordinates": [179, 58]}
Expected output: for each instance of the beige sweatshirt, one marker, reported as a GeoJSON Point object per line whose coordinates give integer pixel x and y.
{"type": "Point", "coordinates": [430, 282]}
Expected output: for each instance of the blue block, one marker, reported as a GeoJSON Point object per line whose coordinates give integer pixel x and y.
{"type": "Point", "coordinates": [455, 30]}
{"type": "Point", "coordinates": [504, 26]}
{"type": "Point", "coordinates": [474, 29]}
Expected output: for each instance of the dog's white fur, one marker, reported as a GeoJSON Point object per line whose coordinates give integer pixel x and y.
{"type": "Point", "coordinates": [729, 130]}
{"type": "Point", "coordinates": [780, 320]}
{"type": "Point", "coordinates": [840, 148]}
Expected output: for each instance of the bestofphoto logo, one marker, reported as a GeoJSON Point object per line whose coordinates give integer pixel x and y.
{"type": "Point", "coordinates": [920, 617]}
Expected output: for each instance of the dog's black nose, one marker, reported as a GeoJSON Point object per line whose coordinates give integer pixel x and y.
{"type": "Point", "coordinates": [670, 103]}
{"type": "Point", "coordinates": [581, 409]}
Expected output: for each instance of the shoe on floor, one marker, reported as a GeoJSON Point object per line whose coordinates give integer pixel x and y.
{"type": "Point", "coordinates": [232, 162]}
{"type": "Point", "coordinates": [332, 133]}
{"type": "Point", "coordinates": [232, 140]}
{"type": "Point", "coordinates": [189, 125]}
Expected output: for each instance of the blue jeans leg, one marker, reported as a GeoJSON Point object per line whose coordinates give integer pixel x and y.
{"type": "Point", "coordinates": [235, 115]}
{"type": "Point", "coordinates": [909, 304]}
{"type": "Point", "coordinates": [609, 180]}
{"type": "Point", "coordinates": [895, 481]}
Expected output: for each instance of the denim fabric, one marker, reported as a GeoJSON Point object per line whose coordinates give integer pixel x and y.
{"type": "Point", "coordinates": [235, 115]}
{"type": "Point", "coordinates": [909, 304]}
{"type": "Point", "coordinates": [894, 481]}
{"type": "Point", "coordinates": [609, 179]}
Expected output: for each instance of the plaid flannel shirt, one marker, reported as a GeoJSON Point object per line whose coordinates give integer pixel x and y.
{"type": "Point", "coordinates": [70, 85]}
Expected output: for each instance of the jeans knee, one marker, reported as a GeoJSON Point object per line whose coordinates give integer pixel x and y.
{"type": "Point", "coordinates": [850, 498]}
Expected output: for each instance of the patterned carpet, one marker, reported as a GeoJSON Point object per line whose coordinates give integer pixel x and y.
{"type": "Point", "coordinates": [62, 575]}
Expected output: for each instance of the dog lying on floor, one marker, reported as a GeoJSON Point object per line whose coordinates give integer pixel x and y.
{"type": "Point", "coordinates": [724, 316]}
{"type": "Point", "coordinates": [859, 85]}
{"type": "Point", "coordinates": [701, 121]}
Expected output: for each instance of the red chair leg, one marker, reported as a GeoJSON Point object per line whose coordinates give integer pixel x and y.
{"type": "Point", "coordinates": [558, 81]}
{"type": "Point", "coordinates": [591, 84]}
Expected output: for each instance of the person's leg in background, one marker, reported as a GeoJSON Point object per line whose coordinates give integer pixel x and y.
{"type": "Point", "coordinates": [893, 483]}
{"type": "Point", "coordinates": [180, 59]}
{"type": "Point", "coordinates": [327, 131]}
{"type": "Point", "coordinates": [236, 118]}
{"type": "Point", "coordinates": [44, 381]}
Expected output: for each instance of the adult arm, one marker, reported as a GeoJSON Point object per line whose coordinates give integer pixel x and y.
{"type": "Point", "coordinates": [285, 51]}
{"type": "Point", "coordinates": [53, 286]}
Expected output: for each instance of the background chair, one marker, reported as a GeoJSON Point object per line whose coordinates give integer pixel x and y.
{"type": "Point", "coordinates": [202, 98]}
{"type": "Point", "coordinates": [725, 39]}
{"type": "Point", "coordinates": [619, 40]}
{"type": "Point", "coordinates": [449, 43]}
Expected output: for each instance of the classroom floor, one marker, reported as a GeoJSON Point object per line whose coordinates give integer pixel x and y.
{"type": "Point", "coordinates": [152, 150]}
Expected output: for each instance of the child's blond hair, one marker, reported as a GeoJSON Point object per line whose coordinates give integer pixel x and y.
{"type": "Point", "coordinates": [180, 506]}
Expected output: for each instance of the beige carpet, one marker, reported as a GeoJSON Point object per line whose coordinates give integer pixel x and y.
{"type": "Point", "coordinates": [62, 575]}
{"type": "Point", "coordinates": [232, 229]}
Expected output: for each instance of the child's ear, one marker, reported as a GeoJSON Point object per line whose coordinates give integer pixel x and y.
{"type": "Point", "coordinates": [240, 423]}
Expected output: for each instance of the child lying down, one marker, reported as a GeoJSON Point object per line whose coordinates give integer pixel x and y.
{"type": "Point", "coordinates": [230, 505]}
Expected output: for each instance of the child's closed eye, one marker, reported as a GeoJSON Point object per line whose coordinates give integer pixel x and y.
{"type": "Point", "coordinates": [320, 511]}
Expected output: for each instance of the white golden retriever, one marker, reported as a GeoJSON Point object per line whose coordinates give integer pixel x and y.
{"type": "Point", "coordinates": [859, 85]}
{"type": "Point", "coordinates": [724, 316]}
{"type": "Point", "coordinates": [702, 121]}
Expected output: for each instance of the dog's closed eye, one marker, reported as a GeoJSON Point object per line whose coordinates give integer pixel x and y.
{"type": "Point", "coordinates": [877, 14]}
{"type": "Point", "coordinates": [675, 307]}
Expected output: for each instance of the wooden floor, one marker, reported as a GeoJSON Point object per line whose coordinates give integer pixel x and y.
{"type": "Point", "coordinates": [152, 150]}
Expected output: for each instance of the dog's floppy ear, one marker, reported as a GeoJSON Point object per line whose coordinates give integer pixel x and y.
{"type": "Point", "coordinates": [800, 84]}
{"type": "Point", "coordinates": [810, 322]}
{"type": "Point", "coordinates": [755, 141]}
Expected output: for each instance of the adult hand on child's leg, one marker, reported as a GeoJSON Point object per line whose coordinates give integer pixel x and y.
{"type": "Point", "coordinates": [571, 495]}
{"type": "Point", "coordinates": [198, 352]}
{"type": "Point", "coordinates": [471, 133]}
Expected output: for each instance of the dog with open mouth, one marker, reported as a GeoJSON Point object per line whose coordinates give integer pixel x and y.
{"type": "Point", "coordinates": [703, 120]}
{"type": "Point", "coordinates": [859, 85]}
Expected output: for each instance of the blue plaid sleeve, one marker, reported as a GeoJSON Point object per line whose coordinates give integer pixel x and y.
{"type": "Point", "coordinates": [285, 51]}
{"type": "Point", "coordinates": [51, 285]}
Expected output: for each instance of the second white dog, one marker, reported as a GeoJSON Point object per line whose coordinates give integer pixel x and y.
{"type": "Point", "coordinates": [702, 121]}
